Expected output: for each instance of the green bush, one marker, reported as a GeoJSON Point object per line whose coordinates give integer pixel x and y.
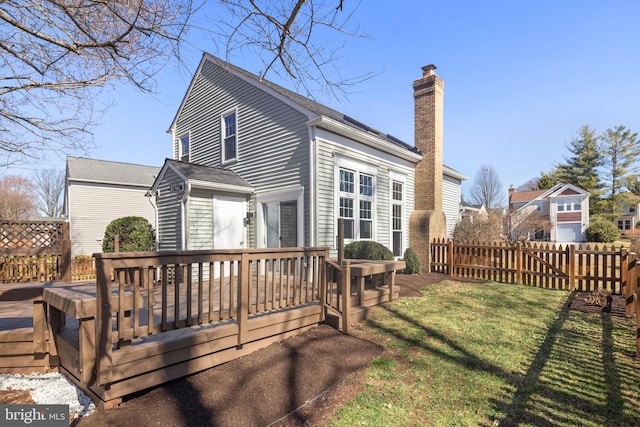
{"type": "Point", "coordinates": [368, 250]}
{"type": "Point", "coordinates": [135, 234]}
{"type": "Point", "coordinates": [602, 230]}
{"type": "Point", "coordinates": [412, 261]}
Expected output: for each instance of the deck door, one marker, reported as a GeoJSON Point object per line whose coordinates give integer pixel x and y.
{"type": "Point", "coordinates": [282, 224]}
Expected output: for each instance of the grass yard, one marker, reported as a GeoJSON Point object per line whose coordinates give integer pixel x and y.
{"type": "Point", "coordinates": [496, 355]}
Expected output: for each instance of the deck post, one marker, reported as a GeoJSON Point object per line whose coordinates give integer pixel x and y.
{"type": "Point", "coordinates": [392, 284]}
{"type": "Point", "coordinates": [345, 286]}
{"type": "Point", "coordinates": [65, 261]}
{"type": "Point", "coordinates": [243, 298]}
{"type": "Point", "coordinates": [103, 350]}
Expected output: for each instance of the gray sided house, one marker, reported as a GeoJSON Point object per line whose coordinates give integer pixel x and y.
{"type": "Point", "coordinates": [452, 197]}
{"type": "Point", "coordinates": [270, 168]}
{"type": "Point", "coordinates": [99, 191]}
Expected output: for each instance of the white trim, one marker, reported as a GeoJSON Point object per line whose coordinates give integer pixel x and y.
{"type": "Point", "coordinates": [180, 154]}
{"type": "Point", "coordinates": [357, 167]}
{"type": "Point", "coordinates": [206, 185]}
{"type": "Point", "coordinates": [402, 179]}
{"type": "Point", "coordinates": [223, 129]}
{"type": "Point", "coordinates": [365, 138]}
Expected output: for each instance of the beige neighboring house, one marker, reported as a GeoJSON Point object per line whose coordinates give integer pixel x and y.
{"type": "Point", "coordinates": [564, 206]}
{"type": "Point", "coordinates": [99, 191]}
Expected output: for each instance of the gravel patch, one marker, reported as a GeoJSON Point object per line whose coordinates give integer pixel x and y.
{"type": "Point", "coordinates": [51, 389]}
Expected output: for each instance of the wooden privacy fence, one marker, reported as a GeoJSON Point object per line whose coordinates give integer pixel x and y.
{"type": "Point", "coordinates": [580, 267]}
{"type": "Point", "coordinates": [34, 251]}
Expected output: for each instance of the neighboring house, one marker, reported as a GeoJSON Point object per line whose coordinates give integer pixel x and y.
{"type": "Point", "coordinates": [471, 211]}
{"type": "Point", "coordinates": [97, 192]}
{"type": "Point", "coordinates": [564, 207]}
{"type": "Point", "coordinates": [452, 197]}
{"type": "Point", "coordinates": [630, 215]}
{"type": "Point", "coordinates": [271, 168]}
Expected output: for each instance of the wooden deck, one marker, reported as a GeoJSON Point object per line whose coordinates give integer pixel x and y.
{"type": "Point", "coordinates": [161, 316]}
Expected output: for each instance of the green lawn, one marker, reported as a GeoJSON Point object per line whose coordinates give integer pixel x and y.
{"type": "Point", "coordinates": [496, 355]}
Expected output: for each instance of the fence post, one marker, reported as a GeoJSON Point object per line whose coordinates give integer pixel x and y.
{"type": "Point", "coordinates": [631, 283]}
{"type": "Point", "coordinates": [450, 260]}
{"type": "Point", "coordinates": [571, 253]}
{"type": "Point", "coordinates": [519, 263]}
{"type": "Point", "coordinates": [243, 298]}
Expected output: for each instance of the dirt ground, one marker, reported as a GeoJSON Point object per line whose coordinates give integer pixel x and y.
{"type": "Point", "coordinates": [301, 381]}
{"type": "Point", "coordinates": [298, 382]}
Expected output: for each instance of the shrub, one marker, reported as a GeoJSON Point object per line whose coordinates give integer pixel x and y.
{"type": "Point", "coordinates": [135, 234]}
{"type": "Point", "coordinates": [602, 230]}
{"type": "Point", "coordinates": [413, 263]}
{"type": "Point", "coordinates": [368, 250]}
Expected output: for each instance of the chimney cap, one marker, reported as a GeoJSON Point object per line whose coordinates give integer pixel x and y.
{"type": "Point", "coordinates": [428, 69]}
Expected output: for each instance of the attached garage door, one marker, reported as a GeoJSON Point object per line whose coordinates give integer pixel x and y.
{"type": "Point", "coordinates": [569, 233]}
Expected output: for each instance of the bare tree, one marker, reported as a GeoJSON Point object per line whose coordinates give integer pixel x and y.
{"type": "Point", "coordinates": [487, 188]}
{"type": "Point", "coordinates": [49, 186]}
{"type": "Point", "coordinates": [287, 31]}
{"type": "Point", "coordinates": [57, 55]}
{"type": "Point", "coordinates": [525, 223]}
{"type": "Point", "coordinates": [16, 198]}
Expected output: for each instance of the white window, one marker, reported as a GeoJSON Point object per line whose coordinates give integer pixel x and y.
{"type": "Point", "coordinates": [356, 203]}
{"type": "Point", "coordinates": [397, 196]}
{"type": "Point", "coordinates": [184, 148]}
{"type": "Point", "coordinates": [571, 204]}
{"type": "Point", "coordinates": [229, 137]}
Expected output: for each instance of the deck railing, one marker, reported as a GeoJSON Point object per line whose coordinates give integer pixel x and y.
{"type": "Point", "coordinates": [155, 292]}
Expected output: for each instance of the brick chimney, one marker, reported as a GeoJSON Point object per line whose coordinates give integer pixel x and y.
{"type": "Point", "coordinates": [428, 220]}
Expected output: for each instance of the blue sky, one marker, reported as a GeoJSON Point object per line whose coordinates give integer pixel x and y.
{"type": "Point", "coordinates": [520, 78]}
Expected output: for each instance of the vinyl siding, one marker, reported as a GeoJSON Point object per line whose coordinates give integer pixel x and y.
{"type": "Point", "coordinates": [94, 206]}
{"type": "Point", "coordinates": [200, 220]}
{"type": "Point", "coordinates": [330, 146]}
{"type": "Point", "coordinates": [273, 139]}
{"type": "Point", "coordinates": [169, 213]}
{"type": "Point", "coordinates": [451, 202]}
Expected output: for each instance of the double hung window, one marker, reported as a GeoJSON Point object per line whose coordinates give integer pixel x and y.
{"type": "Point", "coordinates": [184, 148]}
{"type": "Point", "coordinates": [229, 137]}
{"type": "Point", "coordinates": [356, 203]}
{"type": "Point", "coordinates": [397, 196]}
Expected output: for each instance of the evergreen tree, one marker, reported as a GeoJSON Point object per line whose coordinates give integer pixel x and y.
{"type": "Point", "coordinates": [581, 168]}
{"type": "Point", "coordinates": [549, 179]}
{"type": "Point", "coordinates": [620, 153]}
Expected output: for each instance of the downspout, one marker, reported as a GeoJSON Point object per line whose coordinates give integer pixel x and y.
{"type": "Point", "coordinates": [313, 239]}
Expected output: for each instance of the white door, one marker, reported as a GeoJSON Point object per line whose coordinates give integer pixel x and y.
{"type": "Point", "coordinates": [228, 226]}
{"type": "Point", "coordinates": [228, 222]}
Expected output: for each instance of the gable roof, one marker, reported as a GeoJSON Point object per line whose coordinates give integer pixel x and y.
{"type": "Point", "coordinates": [558, 190]}
{"type": "Point", "coordinates": [205, 176]}
{"type": "Point", "coordinates": [318, 114]}
{"type": "Point", "coordinates": [81, 169]}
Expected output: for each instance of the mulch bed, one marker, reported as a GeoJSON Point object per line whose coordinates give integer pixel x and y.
{"type": "Point", "coordinates": [615, 305]}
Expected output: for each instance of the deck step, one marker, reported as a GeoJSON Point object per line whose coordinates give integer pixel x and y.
{"type": "Point", "coordinates": [358, 313]}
